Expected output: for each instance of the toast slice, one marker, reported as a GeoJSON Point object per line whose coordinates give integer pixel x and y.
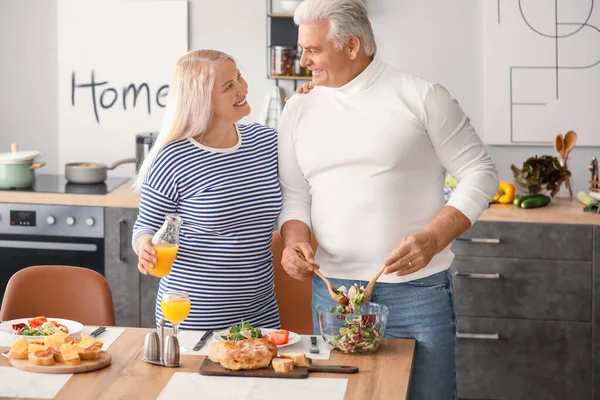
{"type": "Point", "coordinates": [69, 354]}
{"type": "Point", "coordinates": [18, 350]}
{"type": "Point", "coordinates": [299, 359]}
{"type": "Point", "coordinates": [44, 357]}
{"type": "Point", "coordinates": [283, 365]}
{"type": "Point", "coordinates": [91, 353]}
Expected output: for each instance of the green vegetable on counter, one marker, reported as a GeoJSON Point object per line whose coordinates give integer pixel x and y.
{"type": "Point", "coordinates": [585, 198]}
{"type": "Point", "coordinates": [535, 201]}
{"type": "Point", "coordinates": [519, 199]}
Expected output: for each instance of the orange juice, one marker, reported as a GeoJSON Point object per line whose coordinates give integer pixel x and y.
{"type": "Point", "coordinates": [165, 255]}
{"type": "Point", "coordinates": [175, 309]}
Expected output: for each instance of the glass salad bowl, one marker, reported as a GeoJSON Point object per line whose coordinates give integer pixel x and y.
{"type": "Point", "coordinates": [353, 333]}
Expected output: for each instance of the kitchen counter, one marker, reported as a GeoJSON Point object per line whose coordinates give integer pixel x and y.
{"type": "Point", "coordinates": [121, 197]}
{"type": "Point", "coordinates": [561, 211]}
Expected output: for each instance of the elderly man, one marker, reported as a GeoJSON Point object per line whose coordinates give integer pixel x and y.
{"type": "Point", "coordinates": [362, 161]}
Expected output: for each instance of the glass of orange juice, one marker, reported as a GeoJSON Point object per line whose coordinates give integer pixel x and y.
{"type": "Point", "coordinates": [165, 256]}
{"type": "Point", "coordinates": [166, 244]}
{"type": "Point", "coordinates": [175, 306]}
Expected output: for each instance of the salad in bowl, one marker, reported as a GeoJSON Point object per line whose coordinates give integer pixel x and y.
{"type": "Point", "coordinates": [357, 327]}
{"type": "Point", "coordinates": [36, 327]}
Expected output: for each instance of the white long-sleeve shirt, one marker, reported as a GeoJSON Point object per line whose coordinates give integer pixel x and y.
{"type": "Point", "coordinates": [364, 165]}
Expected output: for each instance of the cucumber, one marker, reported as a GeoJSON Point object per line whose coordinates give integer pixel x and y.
{"type": "Point", "coordinates": [519, 199]}
{"type": "Point", "coordinates": [539, 200]}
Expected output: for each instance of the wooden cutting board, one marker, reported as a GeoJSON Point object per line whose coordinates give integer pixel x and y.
{"type": "Point", "coordinates": [60, 368]}
{"type": "Point", "coordinates": [210, 368]}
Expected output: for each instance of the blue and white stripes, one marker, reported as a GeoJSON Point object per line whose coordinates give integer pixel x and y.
{"type": "Point", "coordinates": [229, 200]}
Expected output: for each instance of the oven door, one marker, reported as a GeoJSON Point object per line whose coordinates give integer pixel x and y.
{"type": "Point", "coordinates": [21, 251]}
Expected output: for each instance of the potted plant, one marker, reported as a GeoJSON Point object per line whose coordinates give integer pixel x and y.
{"type": "Point", "coordinates": [543, 174]}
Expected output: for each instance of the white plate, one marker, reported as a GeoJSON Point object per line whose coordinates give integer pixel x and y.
{"type": "Point", "coordinates": [74, 327]}
{"type": "Point", "coordinates": [293, 338]}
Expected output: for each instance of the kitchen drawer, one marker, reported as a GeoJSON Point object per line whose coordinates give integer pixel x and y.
{"type": "Point", "coordinates": [529, 359]}
{"type": "Point", "coordinates": [521, 288]}
{"type": "Point", "coordinates": [526, 240]}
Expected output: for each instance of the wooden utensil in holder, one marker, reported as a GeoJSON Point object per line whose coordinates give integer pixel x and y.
{"type": "Point", "coordinates": [595, 181]}
{"type": "Point", "coordinates": [564, 147]}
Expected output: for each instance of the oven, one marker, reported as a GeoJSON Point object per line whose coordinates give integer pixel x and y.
{"type": "Point", "coordinates": [34, 234]}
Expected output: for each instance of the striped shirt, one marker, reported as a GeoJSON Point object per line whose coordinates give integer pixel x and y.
{"type": "Point", "coordinates": [229, 200]}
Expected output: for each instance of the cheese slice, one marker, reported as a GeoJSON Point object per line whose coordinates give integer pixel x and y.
{"type": "Point", "coordinates": [19, 346]}
{"type": "Point", "coordinates": [86, 343]}
{"type": "Point", "coordinates": [33, 347]}
{"type": "Point", "coordinates": [97, 342]}
{"type": "Point", "coordinates": [69, 351]}
{"type": "Point", "coordinates": [56, 339]}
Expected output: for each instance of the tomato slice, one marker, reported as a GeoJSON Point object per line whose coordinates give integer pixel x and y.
{"type": "Point", "coordinates": [37, 321]}
{"type": "Point", "coordinates": [279, 337]}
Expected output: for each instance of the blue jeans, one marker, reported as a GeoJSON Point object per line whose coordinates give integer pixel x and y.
{"type": "Point", "coordinates": [422, 309]}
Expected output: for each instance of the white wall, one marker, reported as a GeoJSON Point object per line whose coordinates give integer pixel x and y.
{"type": "Point", "coordinates": [28, 78]}
{"type": "Point", "coordinates": [437, 39]}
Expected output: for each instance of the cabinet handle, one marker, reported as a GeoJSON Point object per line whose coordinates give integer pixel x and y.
{"type": "Point", "coordinates": [477, 275]}
{"type": "Point", "coordinates": [483, 336]}
{"type": "Point", "coordinates": [479, 240]}
{"type": "Point", "coordinates": [122, 223]}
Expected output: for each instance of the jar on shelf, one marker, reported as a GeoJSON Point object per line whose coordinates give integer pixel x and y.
{"type": "Point", "coordinates": [282, 60]}
{"type": "Point", "coordinates": [297, 69]}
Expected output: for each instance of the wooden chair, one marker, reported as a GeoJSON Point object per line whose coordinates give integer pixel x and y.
{"type": "Point", "coordinates": [294, 297]}
{"type": "Point", "coordinates": [59, 291]}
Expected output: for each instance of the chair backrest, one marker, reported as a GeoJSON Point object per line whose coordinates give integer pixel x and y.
{"type": "Point", "coordinates": [59, 291]}
{"type": "Point", "coordinates": [294, 297]}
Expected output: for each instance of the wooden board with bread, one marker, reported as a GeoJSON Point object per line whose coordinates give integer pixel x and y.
{"type": "Point", "coordinates": [260, 358]}
{"type": "Point", "coordinates": [58, 354]}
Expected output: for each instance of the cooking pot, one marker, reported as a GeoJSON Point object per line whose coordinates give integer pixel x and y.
{"type": "Point", "coordinates": [17, 168]}
{"type": "Point", "coordinates": [91, 173]}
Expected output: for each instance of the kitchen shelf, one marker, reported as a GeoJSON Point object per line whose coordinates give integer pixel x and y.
{"type": "Point", "coordinates": [291, 78]}
{"type": "Point", "coordinates": [279, 15]}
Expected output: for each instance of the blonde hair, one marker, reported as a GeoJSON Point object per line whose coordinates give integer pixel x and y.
{"type": "Point", "coordinates": [346, 18]}
{"type": "Point", "coordinates": [188, 110]}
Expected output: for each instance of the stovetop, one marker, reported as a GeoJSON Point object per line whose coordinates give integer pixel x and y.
{"type": "Point", "coordinates": [59, 184]}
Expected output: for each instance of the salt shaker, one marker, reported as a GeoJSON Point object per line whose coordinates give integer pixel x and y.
{"type": "Point", "coordinates": [151, 348]}
{"type": "Point", "coordinates": [171, 352]}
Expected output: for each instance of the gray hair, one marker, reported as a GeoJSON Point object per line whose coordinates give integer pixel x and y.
{"type": "Point", "coordinates": [346, 18]}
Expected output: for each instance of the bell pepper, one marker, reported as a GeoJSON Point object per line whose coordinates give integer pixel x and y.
{"type": "Point", "coordinates": [506, 193]}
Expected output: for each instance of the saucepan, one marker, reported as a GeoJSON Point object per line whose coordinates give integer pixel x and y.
{"type": "Point", "coordinates": [91, 173]}
{"type": "Point", "coordinates": [17, 168]}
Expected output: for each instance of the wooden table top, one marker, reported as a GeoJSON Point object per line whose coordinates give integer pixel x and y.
{"type": "Point", "coordinates": [384, 375]}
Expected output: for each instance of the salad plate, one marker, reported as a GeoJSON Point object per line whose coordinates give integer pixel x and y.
{"type": "Point", "coordinates": [31, 328]}
{"type": "Point", "coordinates": [246, 331]}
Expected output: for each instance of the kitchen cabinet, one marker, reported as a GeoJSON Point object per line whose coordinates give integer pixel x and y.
{"type": "Point", "coordinates": [525, 298]}
{"type": "Point", "coordinates": [121, 265]}
{"type": "Point", "coordinates": [596, 317]}
{"type": "Point", "coordinates": [134, 294]}
{"type": "Point", "coordinates": [148, 291]}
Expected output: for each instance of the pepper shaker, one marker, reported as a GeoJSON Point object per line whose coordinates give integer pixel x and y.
{"type": "Point", "coordinates": [151, 348]}
{"type": "Point", "coordinates": [171, 352]}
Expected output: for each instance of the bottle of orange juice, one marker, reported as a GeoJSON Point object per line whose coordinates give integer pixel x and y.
{"type": "Point", "coordinates": [166, 244]}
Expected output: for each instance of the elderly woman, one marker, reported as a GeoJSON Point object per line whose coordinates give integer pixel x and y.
{"type": "Point", "coordinates": [221, 177]}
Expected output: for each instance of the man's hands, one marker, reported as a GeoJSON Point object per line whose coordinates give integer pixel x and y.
{"type": "Point", "coordinates": [298, 261]}
{"type": "Point", "coordinates": [413, 253]}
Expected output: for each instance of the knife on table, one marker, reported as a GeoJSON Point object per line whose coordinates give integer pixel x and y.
{"type": "Point", "coordinates": [203, 340]}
